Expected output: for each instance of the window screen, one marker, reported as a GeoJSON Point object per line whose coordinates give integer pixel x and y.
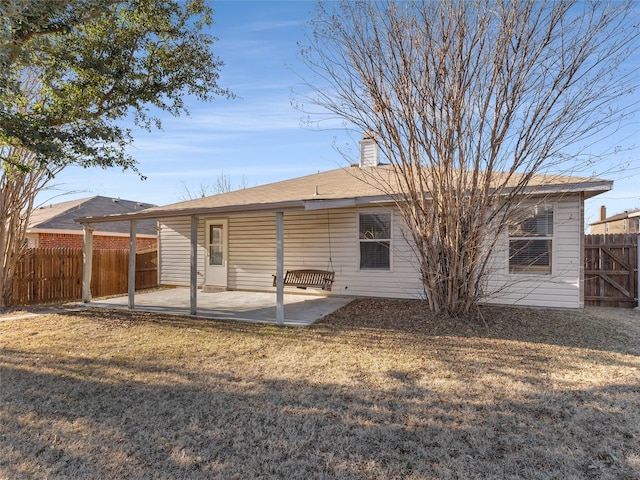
{"type": "Point", "coordinates": [375, 240]}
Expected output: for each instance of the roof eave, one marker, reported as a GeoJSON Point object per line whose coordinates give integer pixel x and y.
{"type": "Point", "coordinates": [310, 204]}
{"type": "Point", "coordinates": [590, 189]}
{"type": "Point", "coordinates": [106, 233]}
{"type": "Point", "coordinates": [327, 203]}
{"type": "Point", "coordinates": [197, 212]}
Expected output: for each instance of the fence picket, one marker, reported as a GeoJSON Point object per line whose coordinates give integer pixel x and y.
{"type": "Point", "coordinates": [55, 274]}
{"type": "Point", "coordinates": [610, 273]}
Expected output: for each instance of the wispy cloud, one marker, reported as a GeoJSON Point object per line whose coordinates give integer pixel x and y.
{"type": "Point", "coordinates": [266, 25]}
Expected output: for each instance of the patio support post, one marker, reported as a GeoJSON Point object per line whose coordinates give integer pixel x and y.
{"type": "Point", "coordinates": [193, 279]}
{"type": "Point", "coordinates": [280, 268]}
{"type": "Point", "coordinates": [131, 280]}
{"type": "Point", "coordinates": [87, 262]}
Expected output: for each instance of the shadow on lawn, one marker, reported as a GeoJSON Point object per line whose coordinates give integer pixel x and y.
{"type": "Point", "coordinates": [408, 323]}
{"type": "Point", "coordinates": [409, 320]}
{"type": "Point", "coordinates": [565, 328]}
{"type": "Point", "coordinates": [75, 417]}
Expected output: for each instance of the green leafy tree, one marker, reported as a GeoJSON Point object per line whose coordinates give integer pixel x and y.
{"type": "Point", "coordinates": [71, 71]}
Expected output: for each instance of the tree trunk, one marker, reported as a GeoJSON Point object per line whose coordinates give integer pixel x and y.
{"type": "Point", "coordinates": [18, 190]}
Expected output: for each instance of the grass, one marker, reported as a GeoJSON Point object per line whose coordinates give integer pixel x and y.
{"type": "Point", "coordinates": [379, 390]}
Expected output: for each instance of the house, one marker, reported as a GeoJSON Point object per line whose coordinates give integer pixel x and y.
{"type": "Point", "coordinates": [53, 225]}
{"type": "Point", "coordinates": [625, 222]}
{"type": "Point", "coordinates": [340, 221]}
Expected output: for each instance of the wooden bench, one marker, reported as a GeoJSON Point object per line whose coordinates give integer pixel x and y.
{"type": "Point", "coordinates": [308, 278]}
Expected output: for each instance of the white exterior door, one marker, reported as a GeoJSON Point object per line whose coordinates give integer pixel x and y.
{"type": "Point", "coordinates": [216, 252]}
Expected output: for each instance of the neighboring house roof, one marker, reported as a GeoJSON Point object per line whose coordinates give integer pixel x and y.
{"type": "Point", "coordinates": [59, 217]}
{"type": "Point", "coordinates": [619, 216]}
{"type": "Point", "coordinates": [335, 188]}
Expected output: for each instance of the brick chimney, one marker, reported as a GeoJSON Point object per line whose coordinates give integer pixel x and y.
{"type": "Point", "coordinates": [603, 212]}
{"type": "Point", "coordinates": [369, 154]}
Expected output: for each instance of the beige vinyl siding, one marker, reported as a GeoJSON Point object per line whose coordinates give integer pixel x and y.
{"type": "Point", "coordinates": [252, 247]}
{"type": "Point", "coordinates": [175, 251]}
{"type": "Point", "coordinates": [252, 257]}
{"type": "Point", "coordinates": [559, 289]}
{"type": "Point", "coordinates": [252, 253]}
{"type": "Point", "coordinates": [401, 281]}
{"type": "Point", "coordinates": [309, 243]}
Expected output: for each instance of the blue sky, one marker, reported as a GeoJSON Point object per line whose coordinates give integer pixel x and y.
{"type": "Point", "coordinates": [259, 138]}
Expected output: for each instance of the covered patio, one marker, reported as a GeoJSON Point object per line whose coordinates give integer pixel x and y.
{"type": "Point", "coordinates": [254, 307]}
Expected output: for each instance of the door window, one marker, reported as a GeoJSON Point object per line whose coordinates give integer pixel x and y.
{"type": "Point", "coordinates": [216, 256]}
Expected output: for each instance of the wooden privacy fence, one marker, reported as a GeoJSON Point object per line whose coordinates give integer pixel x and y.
{"type": "Point", "coordinates": [611, 270]}
{"type": "Point", "coordinates": [55, 274]}
{"type": "Point", "coordinates": [146, 268]}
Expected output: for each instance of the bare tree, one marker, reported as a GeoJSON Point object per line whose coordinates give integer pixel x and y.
{"type": "Point", "coordinates": [469, 102]}
{"type": "Point", "coordinates": [244, 183]}
{"type": "Point", "coordinates": [189, 193]}
{"type": "Point", "coordinates": [22, 177]}
{"type": "Point", "coordinates": [222, 184]}
{"type": "Point", "coordinates": [18, 189]}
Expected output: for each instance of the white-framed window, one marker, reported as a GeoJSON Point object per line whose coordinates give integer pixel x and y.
{"type": "Point", "coordinates": [374, 233]}
{"type": "Point", "coordinates": [216, 245]}
{"type": "Point", "coordinates": [531, 241]}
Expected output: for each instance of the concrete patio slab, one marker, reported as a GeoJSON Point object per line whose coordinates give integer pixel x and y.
{"type": "Point", "coordinates": [254, 307]}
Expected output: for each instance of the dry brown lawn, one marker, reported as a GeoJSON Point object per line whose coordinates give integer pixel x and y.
{"type": "Point", "coordinates": [379, 390]}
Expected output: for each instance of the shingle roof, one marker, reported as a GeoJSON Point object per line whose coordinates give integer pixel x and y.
{"type": "Point", "coordinates": [364, 184]}
{"type": "Point", "coordinates": [60, 216]}
{"type": "Point", "coordinates": [618, 216]}
{"type": "Point", "coordinates": [331, 185]}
